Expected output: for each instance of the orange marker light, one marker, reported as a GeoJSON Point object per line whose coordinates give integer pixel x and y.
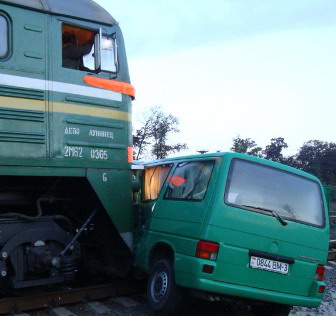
{"type": "Point", "coordinates": [116, 86]}
{"type": "Point", "coordinates": [130, 158]}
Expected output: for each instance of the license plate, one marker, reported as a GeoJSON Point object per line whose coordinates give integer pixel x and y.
{"type": "Point", "coordinates": [269, 265]}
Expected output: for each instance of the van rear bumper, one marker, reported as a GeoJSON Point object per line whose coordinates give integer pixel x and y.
{"type": "Point", "coordinates": [253, 293]}
{"type": "Point", "coordinates": [201, 281]}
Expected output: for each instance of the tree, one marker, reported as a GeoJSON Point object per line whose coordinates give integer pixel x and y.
{"type": "Point", "coordinates": [274, 150]}
{"type": "Point", "coordinates": [319, 158]}
{"type": "Point", "coordinates": [142, 136]}
{"type": "Point", "coordinates": [155, 130]}
{"type": "Point", "coordinates": [245, 146]}
{"type": "Point", "coordinates": [290, 161]}
{"type": "Point", "coordinates": [315, 156]}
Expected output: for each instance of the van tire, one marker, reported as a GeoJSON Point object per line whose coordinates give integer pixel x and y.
{"type": "Point", "coordinates": [162, 292]}
{"type": "Point", "coordinates": [272, 310]}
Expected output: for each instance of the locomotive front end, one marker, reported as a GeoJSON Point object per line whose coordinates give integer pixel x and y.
{"type": "Point", "coordinates": [65, 144]}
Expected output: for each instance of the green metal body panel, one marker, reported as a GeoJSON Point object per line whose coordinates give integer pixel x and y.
{"type": "Point", "coordinates": [113, 191]}
{"type": "Point", "coordinates": [181, 224]}
{"type": "Point", "coordinates": [82, 9]}
{"type": "Point", "coordinates": [49, 125]}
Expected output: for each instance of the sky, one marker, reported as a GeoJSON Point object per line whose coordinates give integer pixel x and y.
{"type": "Point", "coordinates": [254, 68]}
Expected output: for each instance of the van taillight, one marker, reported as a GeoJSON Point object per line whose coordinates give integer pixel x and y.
{"type": "Point", "coordinates": [320, 270]}
{"type": "Point", "coordinates": [207, 250]}
{"type": "Point", "coordinates": [321, 289]}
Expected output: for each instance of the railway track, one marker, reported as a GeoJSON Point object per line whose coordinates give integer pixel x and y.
{"type": "Point", "coordinates": [116, 292]}
{"type": "Point", "coordinates": [53, 300]}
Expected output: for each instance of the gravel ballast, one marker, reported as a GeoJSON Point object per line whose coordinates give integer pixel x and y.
{"type": "Point", "coordinates": [328, 305]}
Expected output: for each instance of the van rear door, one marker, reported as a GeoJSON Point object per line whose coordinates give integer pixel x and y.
{"type": "Point", "coordinates": [271, 227]}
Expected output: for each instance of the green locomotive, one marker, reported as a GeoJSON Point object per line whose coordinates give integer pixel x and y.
{"type": "Point", "coordinates": [65, 143]}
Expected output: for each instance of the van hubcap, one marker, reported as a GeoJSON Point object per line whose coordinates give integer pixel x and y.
{"type": "Point", "coordinates": [159, 285]}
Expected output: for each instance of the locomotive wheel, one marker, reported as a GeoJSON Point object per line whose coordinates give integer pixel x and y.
{"type": "Point", "coordinates": [162, 292]}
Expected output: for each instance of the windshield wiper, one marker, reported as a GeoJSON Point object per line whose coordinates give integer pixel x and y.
{"type": "Point", "coordinates": [274, 213]}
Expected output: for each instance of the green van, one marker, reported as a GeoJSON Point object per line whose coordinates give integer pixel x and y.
{"type": "Point", "coordinates": [229, 226]}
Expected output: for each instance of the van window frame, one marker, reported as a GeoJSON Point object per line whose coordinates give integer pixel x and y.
{"type": "Point", "coordinates": [227, 185]}
{"type": "Point", "coordinates": [8, 22]}
{"type": "Point", "coordinates": [171, 165]}
{"type": "Point", "coordinates": [213, 161]}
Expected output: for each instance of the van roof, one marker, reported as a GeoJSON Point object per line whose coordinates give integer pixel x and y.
{"type": "Point", "coordinates": [230, 155]}
{"type": "Point", "coordinates": [82, 9]}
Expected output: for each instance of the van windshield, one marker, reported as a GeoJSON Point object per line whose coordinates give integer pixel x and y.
{"type": "Point", "coordinates": [253, 186]}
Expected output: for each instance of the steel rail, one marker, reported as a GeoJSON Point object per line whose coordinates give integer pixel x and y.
{"type": "Point", "coordinates": [69, 296]}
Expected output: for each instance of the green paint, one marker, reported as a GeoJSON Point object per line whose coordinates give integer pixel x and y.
{"type": "Point", "coordinates": [80, 140]}
{"type": "Point", "coordinates": [113, 188]}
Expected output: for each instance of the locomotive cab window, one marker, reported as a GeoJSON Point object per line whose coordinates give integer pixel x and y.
{"type": "Point", "coordinates": [3, 36]}
{"type": "Point", "coordinates": [78, 49]}
{"type": "Point", "coordinates": [87, 50]}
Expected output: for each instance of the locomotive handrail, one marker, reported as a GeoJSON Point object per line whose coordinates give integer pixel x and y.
{"type": "Point", "coordinates": [64, 251]}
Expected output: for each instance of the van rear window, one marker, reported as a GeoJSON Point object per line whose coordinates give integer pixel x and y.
{"type": "Point", "coordinates": [256, 187]}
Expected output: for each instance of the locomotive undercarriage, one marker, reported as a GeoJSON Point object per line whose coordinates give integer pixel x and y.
{"type": "Point", "coordinates": [54, 230]}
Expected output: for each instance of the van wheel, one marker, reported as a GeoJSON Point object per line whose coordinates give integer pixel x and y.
{"type": "Point", "coordinates": [162, 292]}
{"type": "Point", "coordinates": [272, 310]}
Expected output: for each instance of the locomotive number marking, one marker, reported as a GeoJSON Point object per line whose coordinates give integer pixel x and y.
{"type": "Point", "coordinates": [99, 154]}
{"type": "Point", "coordinates": [104, 177]}
{"type": "Point", "coordinates": [73, 152]}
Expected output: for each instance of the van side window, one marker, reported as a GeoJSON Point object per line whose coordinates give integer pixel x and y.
{"type": "Point", "coordinates": [190, 181]}
{"type": "Point", "coordinates": [3, 36]}
{"type": "Point", "coordinates": [78, 48]}
{"type": "Point", "coordinates": [154, 180]}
